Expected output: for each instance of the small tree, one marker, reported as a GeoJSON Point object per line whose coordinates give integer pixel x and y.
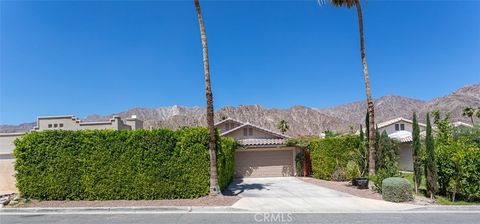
{"type": "Point", "coordinates": [363, 162]}
{"type": "Point", "coordinates": [430, 164]}
{"type": "Point", "coordinates": [417, 162]}
{"type": "Point", "coordinates": [469, 112]}
{"type": "Point", "coordinates": [283, 126]}
{"type": "Point", "coordinates": [378, 150]}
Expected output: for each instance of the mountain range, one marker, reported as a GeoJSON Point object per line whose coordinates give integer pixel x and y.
{"type": "Point", "coordinates": [301, 120]}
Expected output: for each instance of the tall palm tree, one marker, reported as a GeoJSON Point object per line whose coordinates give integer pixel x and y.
{"type": "Point", "coordinates": [469, 112]}
{"type": "Point", "coordinates": [283, 126]}
{"type": "Point", "coordinates": [371, 111]}
{"type": "Point", "coordinates": [212, 141]}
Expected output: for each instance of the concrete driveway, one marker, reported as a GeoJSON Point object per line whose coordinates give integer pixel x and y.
{"type": "Point", "coordinates": [289, 194]}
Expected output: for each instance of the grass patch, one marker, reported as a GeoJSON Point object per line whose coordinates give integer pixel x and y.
{"type": "Point", "coordinates": [409, 177]}
{"type": "Point", "coordinates": [442, 200]}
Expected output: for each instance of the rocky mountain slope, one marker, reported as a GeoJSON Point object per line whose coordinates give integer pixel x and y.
{"type": "Point", "coordinates": [302, 120]}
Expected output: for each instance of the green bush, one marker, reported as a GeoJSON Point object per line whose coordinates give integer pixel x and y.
{"type": "Point", "coordinates": [332, 154]}
{"type": "Point", "coordinates": [108, 165]}
{"type": "Point", "coordinates": [299, 163]}
{"type": "Point", "coordinates": [352, 170]}
{"type": "Point", "coordinates": [396, 189]}
{"type": "Point", "coordinates": [382, 174]}
{"type": "Point", "coordinates": [458, 166]}
{"type": "Point", "coordinates": [225, 161]}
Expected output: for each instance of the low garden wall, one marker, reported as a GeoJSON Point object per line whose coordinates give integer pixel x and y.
{"type": "Point", "coordinates": [109, 165]}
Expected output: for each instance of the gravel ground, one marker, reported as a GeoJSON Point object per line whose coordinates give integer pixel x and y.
{"type": "Point", "coordinates": [203, 201]}
{"type": "Point", "coordinates": [343, 186]}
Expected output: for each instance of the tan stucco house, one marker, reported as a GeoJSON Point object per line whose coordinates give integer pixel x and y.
{"type": "Point", "coordinates": [261, 152]}
{"type": "Point", "coordinates": [62, 122]}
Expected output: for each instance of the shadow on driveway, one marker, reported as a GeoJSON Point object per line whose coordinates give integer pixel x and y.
{"type": "Point", "coordinates": [238, 186]}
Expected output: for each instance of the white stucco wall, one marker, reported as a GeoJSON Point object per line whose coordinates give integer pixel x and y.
{"type": "Point", "coordinates": [406, 158]}
{"type": "Point", "coordinates": [391, 128]}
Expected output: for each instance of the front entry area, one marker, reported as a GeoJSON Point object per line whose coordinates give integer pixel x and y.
{"type": "Point", "coordinates": [262, 162]}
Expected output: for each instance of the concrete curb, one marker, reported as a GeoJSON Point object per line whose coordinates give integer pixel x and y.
{"type": "Point", "coordinates": [449, 208]}
{"type": "Point", "coordinates": [221, 209]}
{"type": "Point", "coordinates": [150, 209]}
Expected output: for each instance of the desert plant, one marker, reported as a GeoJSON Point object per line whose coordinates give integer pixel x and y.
{"type": "Point", "coordinates": [339, 174]}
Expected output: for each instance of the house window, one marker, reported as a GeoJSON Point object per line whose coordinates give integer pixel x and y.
{"type": "Point", "coordinates": [402, 127]}
{"type": "Point", "coordinates": [397, 127]}
{"type": "Point", "coordinates": [227, 126]}
{"type": "Point", "coordinates": [55, 125]}
{"type": "Point", "coordinates": [245, 132]}
{"type": "Point", "coordinates": [49, 125]}
{"type": "Point", "coordinates": [60, 125]}
{"type": "Point", "coordinates": [250, 132]}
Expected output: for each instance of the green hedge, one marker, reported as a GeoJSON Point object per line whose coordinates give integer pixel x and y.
{"type": "Point", "coordinates": [458, 166]}
{"type": "Point", "coordinates": [396, 189]}
{"type": "Point", "coordinates": [330, 153]}
{"type": "Point", "coordinates": [107, 165]}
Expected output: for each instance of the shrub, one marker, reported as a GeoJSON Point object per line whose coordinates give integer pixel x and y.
{"type": "Point", "coordinates": [458, 166]}
{"type": "Point", "coordinates": [396, 189]}
{"type": "Point", "coordinates": [225, 161]}
{"type": "Point", "coordinates": [109, 165]}
{"type": "Point", "coordinates": [339, 174]}
{"type": "Point", "coordinates": [382, 174]}
{"type": "Point", "coordinates": [299, 162]}
{"type": "Point", "coordinates": [352, 170]}
{"type": "Point", "coordinates": [329, 153]}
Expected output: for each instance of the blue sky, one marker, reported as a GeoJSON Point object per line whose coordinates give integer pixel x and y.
{"type": "Point", "coordinates": [93, 57]}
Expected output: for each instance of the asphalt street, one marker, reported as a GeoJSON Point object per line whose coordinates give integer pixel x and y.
{"type": "Point", "coordinates": [330, 218]}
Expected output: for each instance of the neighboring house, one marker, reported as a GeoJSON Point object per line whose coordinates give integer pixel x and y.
{"type": "Point", "coordinates": [261, 152]}
{"type": "Point", "coordinates": [69, 122]}
{"type": "Point", "coordinates": [401, 130]}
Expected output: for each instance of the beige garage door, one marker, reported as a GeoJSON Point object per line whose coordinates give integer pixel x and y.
{"type": "Point", "coordinates": [264, 163]}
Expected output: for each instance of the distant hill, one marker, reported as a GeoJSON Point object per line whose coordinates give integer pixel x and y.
{"type": "Point", "coordinates": [302, 120]}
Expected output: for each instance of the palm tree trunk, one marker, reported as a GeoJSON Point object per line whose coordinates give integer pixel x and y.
{"type": "Point", "coordinates": [471, 118]}
{"type": "Point", "coordinates": [212, 142]}
{"type": "Point", "coordinates": [371, 116]}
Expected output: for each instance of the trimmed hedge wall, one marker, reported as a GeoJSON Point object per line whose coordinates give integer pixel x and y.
{"type": "Point", "coordinates": [331, 153]}
{"type": "Point", "coordinates": [109, 165]}
{"type": "Point", "coordinates": [396, 189]}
